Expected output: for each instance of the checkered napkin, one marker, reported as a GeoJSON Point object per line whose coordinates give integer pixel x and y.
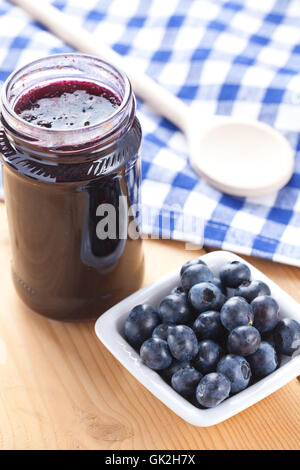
{"type": "Point", "coordinates": [239, 57]}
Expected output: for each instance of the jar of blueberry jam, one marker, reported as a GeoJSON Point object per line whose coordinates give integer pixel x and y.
{"type": "Point", "coordinates": [70, 145]}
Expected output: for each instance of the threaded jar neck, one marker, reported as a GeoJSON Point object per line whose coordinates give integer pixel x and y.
{"type": "Point", "coordinates": [37, 140]}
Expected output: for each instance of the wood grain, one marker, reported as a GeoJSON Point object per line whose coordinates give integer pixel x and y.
{"type": "Point", "coordinates": [60, 389]}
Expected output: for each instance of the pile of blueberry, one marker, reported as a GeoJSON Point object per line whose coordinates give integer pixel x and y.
{"type": "Point", "coordinates": [213, 337]}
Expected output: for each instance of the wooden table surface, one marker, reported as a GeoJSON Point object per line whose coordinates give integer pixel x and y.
{"type": "Point", "coordinates": [61, 389]}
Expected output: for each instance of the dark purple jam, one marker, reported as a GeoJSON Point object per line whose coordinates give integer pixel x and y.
{"type": "Point", "coordinates": [61, 268]}
{"type": "Point", "coordinates": [67, 105]}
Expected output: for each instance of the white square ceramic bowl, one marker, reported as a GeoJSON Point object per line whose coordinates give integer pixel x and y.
{"type": "Point", "coordinates": [109, 329]}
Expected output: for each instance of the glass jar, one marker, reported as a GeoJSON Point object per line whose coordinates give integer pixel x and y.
{"type": "Point", "coordinates": [71, 196]}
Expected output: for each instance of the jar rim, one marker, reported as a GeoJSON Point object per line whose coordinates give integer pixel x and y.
{"type": "Point", "coordinates": [33, 131]}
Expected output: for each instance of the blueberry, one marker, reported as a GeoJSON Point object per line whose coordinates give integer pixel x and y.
{"type": "Point", "coordinates": [251, 289]}
{"type": "Point", "coordinates": [243, 340]}
{"type": "Point", "coordinates": [161, 331]}
{"type": "Point", "coordinates": [234, 273]}
{"type": "Point", "coordinates": [208, 356]}
{"type": "Point", "coordinates": [269, 338]}
{"type": "Point", "coordinates": [235, 312]}
{"type": "Point", "coordinates": [140, 324]}
{"type": "Point", "coordinates": [155, 354]}
{"type": "Point", "coordinates": [237, 370]}
{"type": "Point", "coordinates": [193, 400]}
{"type": "Point", "coordinates": [182, 342]}
{"type": "Point", "coordinates": [206, 296]}
{"type": "Point", "coordinates": [265, 312]}
{"type": "Point", "coordinates": [191, 262]}
{"type": "Point", "coordinates": [175, 309]}
{"type": "Point", "coordinates": [213, 388]}
{"type": "Point", "coordinates": [178, 291]}
{"type": "Point", "coordinates": [208, 325]}
{"type": "Point", "coordinates": [264, 361]}
{"type": "Point", "coordinates": [195, 274]}
{"type": "Point", "coordinates": [168, 373]}
{"type": "Point", "coordinates": [185, 381]}
{"type": "Point", "coordinates": [287, 336]}
{"type": "Point", "coordinates": [217, 282]}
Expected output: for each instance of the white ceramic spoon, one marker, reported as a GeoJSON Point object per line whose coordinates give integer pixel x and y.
{"type": "Point", "coordinates": [240, 157]}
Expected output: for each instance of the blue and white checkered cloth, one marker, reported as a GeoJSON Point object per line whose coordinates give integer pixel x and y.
{"type": "Point", "coordinates": [239, 57]}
